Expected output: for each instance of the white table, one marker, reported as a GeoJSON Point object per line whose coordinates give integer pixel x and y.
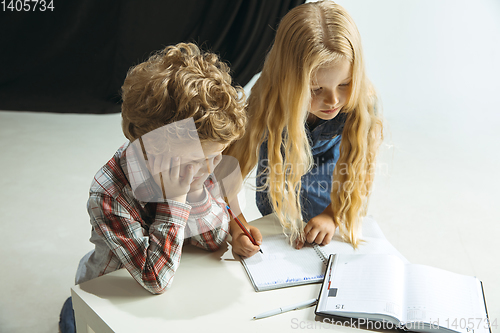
{"type": "Point", "coordinates": [210, 292]}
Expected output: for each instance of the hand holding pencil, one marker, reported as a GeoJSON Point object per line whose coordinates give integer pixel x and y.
{"type": "Point", "coordinates": [246, 239]}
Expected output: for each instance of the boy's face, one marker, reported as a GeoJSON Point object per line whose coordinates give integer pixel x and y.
{"type": "Point", "coordinates": [203, 167]}
{"type": "Point", "coordinates": [330, 89]}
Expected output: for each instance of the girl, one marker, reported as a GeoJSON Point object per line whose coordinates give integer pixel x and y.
{"type": "Point", "coordinates": [313, 128]}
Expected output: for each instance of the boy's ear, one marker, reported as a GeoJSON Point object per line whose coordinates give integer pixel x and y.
{"type": "Point", "coordinates": [228, 176]}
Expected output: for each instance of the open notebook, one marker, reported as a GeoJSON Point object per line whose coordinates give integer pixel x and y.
{"type": "Point", "coordinates": [412, 297]}
{"type": "Point", "coordinates": [281, 265]}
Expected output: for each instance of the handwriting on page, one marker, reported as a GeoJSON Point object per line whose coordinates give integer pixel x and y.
{"type": "Point", "coordinates": [280, 263]}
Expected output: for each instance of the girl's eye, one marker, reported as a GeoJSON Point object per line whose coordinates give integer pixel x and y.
{"type": "Point", "coordinates": [317, 90]}
{"type": "Point", "coordinates": [345, 84]}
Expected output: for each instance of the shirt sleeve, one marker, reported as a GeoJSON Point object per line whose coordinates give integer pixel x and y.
{"type": "Point", "coordinates": [151, 256]}
{"type": "Point", "coordinates": [261, 194]}
{"type": "Point", "coordinates": [208, 224]}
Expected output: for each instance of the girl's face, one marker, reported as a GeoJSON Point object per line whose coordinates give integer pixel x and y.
{"type": "Point", "coordinates": [330, 88]}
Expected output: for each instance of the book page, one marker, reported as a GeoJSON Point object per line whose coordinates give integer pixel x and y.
{"type": "Point", "coordinates": [444, 298]}
{"type": "Point", "coordinates": [366, 283]}
{"type": "Point", "coordinates": [282, 265]}
{"type": "Point", "coordinates": [374, 242]}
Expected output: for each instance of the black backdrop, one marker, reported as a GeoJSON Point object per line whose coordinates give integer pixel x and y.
{"type": "Point", "coordinates": [75, 58]}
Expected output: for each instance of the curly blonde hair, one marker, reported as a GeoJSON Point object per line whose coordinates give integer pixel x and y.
{"type": "Point", "coordinates": [311, 36]}
{"type": "Point", "coordinates": [181, 82]}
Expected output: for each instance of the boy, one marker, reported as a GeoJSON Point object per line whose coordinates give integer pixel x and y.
{"type": "Point", "coordinates": [152, 195]}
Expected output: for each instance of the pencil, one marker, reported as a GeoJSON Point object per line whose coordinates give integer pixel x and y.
{"type": "Point", "coordinates": [242, 227]}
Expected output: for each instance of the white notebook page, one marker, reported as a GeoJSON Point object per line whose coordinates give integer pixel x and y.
{"type": "Point", "coordinates": [367, 284]}
{"type": "Point", "coordinates": [435, 295]}
{"type": "Point", "coordinates": [282, 264]}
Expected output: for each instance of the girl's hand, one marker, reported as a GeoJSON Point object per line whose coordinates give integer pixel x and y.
{"type": "Point", "coordinates": [242, 245]}
{"type": "Point", "coordinates": [166, 173]}
{"type": "Point", "coordinates": [320, 230]}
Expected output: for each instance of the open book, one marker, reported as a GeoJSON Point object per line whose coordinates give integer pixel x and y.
{"type": "Point", "coordinates": [383, 288]}
{"type": "Point", "coordinates": [281, 265]}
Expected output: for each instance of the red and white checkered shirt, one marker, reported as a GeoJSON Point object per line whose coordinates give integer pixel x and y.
{"type": "Point", "coordinates": [146, 238]}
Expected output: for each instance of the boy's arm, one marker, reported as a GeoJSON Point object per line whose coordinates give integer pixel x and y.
{"type": "Point", "coordinates": [151, 257]}
{"type": "Point", "coordinates": [208, 225]}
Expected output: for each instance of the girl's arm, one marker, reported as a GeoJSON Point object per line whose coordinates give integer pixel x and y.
{"type": "Point", "coordinates": [242, 245]}
{"type": "Point", "coordinates": [320, 229]}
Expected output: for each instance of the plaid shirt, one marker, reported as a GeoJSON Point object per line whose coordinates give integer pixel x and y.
{"type": "Point", "coordinates": [146, 238]}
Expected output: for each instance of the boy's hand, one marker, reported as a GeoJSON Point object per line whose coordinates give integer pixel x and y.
{"type": "Point", "coordinates": [166, 173]}
{"type": "Point", "coordinates": [320, 230]}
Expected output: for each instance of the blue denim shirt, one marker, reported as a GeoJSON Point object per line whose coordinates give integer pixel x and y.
{"type": "Point", "coordinates": [316, 184]}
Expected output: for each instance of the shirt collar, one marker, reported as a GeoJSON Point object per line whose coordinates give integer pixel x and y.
{"type": "Point", "coordinates": [326, 129]}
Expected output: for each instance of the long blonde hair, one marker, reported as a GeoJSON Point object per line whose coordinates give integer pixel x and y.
{"type": "Point", "coordinates": [311, 36]}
